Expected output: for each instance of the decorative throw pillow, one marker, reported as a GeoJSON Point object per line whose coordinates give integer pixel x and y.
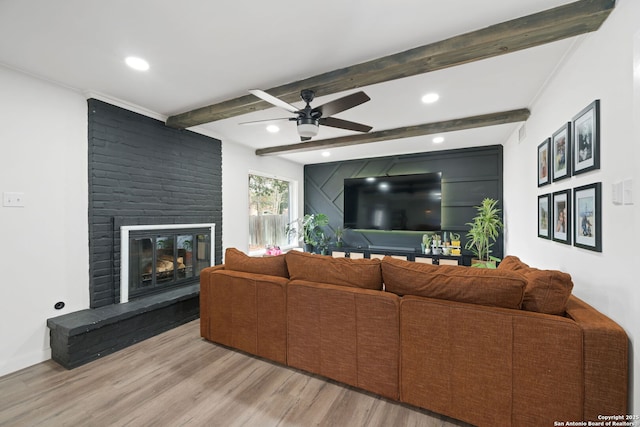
{"type": "Point", "coordinates": [239, 261]}
{"type": "Point", "coordinates": [456, 283]}
{"type": "Point", "coordinates": [357, 273]}
{"type": "Point", "coordinates": [547, 291]}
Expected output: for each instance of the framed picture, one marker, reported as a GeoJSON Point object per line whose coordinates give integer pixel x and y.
{"type": "Point", "coordinates": [586, 139]}
{"type": "Point", "coordinates": [561, 206]}
{"type": "Point", "coordinates": [587, 230]}
{"type": "Point", "coordinates": [544, 202]}
{"type": "Point", "coordinates": [543, 163]}
{"type": "Point", "coordinates": [561, 153]}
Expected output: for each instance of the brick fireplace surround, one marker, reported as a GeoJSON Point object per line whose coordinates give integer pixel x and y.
{"type": "Point", "coordinates": [140, 172]}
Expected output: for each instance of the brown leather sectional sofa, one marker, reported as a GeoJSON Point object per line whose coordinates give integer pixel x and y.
{"type": "Point", "coordinates": [505, 347]}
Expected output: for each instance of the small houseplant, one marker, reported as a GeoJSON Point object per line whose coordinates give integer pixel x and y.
{"type": "Point", "coordinates": [426, 243]}
{"type": "Point", "coordinates": [312, 229]}
{"type": "Point", "coordinates": [322, 245]}
{"type": "Point", "coordinates": [308, 229]}
{"type": "Point", "coordinates": [312, 225]}
{"type": "Point", "coordinates": [339, 235]}
{"type": "Point", "coordinates": [485, 229]}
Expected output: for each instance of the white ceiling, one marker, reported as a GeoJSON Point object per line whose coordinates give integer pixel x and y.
{"type": "Point", "coordinates": [202, 52]}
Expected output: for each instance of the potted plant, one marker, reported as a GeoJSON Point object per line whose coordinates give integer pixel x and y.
{"type": "Point", "coordinates": [455, 239]}
{"type": "Point", "coordinates": [339, 235]}
{"type": "Point", "coordinates": [322, 245]}
{"type": "Point", "coordinates": [436, 242]}
{"type": "Point", "coordinates": [484, 231]}
{"type": "Point", "coordinates": [311, 226]}
{"type": "Point", "coordinates": [426, 243]}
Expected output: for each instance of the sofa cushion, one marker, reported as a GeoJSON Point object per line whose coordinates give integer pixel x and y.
{"type": "Point", "coordinates": [456, 283]}
{"type": "Point", "coordinates": [357, 273]}
{"type": "Point", "coordinates": [239, 261]}
{"type": "Point", "coordinates": [547, 291]}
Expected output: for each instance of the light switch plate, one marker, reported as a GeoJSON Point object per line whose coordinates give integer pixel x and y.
{"type": "Point", "coordinates": [627, 191]}
{"type": "Point", "coordinates": [12, 199]}
{"type": "Point", "coordinates": [617, 193]}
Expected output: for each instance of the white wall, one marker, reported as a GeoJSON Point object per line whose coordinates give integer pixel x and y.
{"type": "Point", "coordinates": [601, 67]}
{"type": "Point", "coordinates": [237, 162]}
{"type": "Point", "coordinates": [43, 245]}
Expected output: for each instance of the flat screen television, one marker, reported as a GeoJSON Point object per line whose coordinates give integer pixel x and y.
{"type": "Point", "coordinates": [401, 202]}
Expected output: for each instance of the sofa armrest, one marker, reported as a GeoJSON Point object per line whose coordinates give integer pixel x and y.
{"type": "Point", "coordinates": [246, 311]}
{"type": "Point", "coordinates": [205, 291]}
{"type": "Point", "coordinates": [606, 363]}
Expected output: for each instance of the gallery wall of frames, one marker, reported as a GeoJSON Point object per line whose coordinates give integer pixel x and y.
{"type": "Point", "coordinates": [571, 216]}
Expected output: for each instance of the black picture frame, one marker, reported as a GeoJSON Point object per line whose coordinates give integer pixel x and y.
{"type": "Point", "coordinates": [561, 208]}
{"type": "Point", "coordinates": [544, 216]}
{"type": "Point", "coordinates": [543, 162]}
{"type": "Point", "coordinates": [587, 219]}
{"type": "Point", "coordinates": [561, 159]}
{"type": "Point", "coordinates": [585, 144]}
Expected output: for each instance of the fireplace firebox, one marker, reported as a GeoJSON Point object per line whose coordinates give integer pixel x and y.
{"type": "Point", "coordinates": [155, 258]}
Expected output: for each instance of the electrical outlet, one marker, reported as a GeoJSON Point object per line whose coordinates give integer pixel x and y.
{"type": "Point", "coordinates": [12, 199]}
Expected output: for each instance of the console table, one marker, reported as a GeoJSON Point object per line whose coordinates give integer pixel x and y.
{"type": "Point", "coordinates": [409, 255]}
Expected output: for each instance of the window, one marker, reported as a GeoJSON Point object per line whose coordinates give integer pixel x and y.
{"type": "Point", "coordinates": [270, 210]}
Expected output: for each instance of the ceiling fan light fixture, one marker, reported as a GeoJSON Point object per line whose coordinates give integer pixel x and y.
{"type": "Point", "coordinates": [307, 127]}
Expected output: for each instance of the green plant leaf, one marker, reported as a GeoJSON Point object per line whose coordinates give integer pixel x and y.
{"type": "Point", "coordinates": [484, 229]}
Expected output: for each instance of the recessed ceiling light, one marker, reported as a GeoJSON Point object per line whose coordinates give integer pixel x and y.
{"type": "Point", "coordinates": [273, 129]}
{"type": "Point", "coordinates": [438, 140]}
{"type": "Point", "coordinates": [137, 63]}
{"type": "Point", "coordinates": [430, 98]}
{"type": "Point", "coordinates": [326, 154]}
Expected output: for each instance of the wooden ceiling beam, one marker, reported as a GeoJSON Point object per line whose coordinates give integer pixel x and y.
{"type": "Point", "coordinates": [522, 33]}
{"type": "Point", "coordinates": [492, 119]}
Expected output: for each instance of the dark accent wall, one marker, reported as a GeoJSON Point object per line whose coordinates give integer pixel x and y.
{"type": "Point", "coordinates": [468, 176]}
{"type": "Point", "coordinates": [143, 172]}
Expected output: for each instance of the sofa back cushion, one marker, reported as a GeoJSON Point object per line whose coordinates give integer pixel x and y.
{"type": "Point", "coordinates": [455, 283]}
{"type": "Point", "coordinates": [357, 273]}
{"type": "Point", "coordinates": [239, 261]}
{"type": "Point", "coordinates": [547, 291]}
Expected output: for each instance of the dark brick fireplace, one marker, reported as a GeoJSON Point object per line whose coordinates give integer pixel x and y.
{"type": "Point", "coordinates": [140, 173]}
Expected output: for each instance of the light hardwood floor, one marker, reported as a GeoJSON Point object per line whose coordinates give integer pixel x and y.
{"type": "Point", "coordinates": [179, 379]}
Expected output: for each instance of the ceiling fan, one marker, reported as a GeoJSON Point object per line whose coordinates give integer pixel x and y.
{"type": "Point", "coordinates": [309, 119]}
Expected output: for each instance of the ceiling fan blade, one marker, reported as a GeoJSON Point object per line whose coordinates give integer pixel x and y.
{"type": "Point", "coordinates": [344, 124]}
{"type": "Point", "coordinates": [273, 100]}
{"type": "Point", "coordinates": [261, 122]}
{"type": "Point", "coordinates": [341, 104]}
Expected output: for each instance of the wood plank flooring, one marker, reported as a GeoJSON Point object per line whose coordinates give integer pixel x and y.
{"type": "Point", "coordinates": [179, 379]}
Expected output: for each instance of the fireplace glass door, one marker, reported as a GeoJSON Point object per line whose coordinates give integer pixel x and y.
{"type": "Point", "coordinates": [159, 260]}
